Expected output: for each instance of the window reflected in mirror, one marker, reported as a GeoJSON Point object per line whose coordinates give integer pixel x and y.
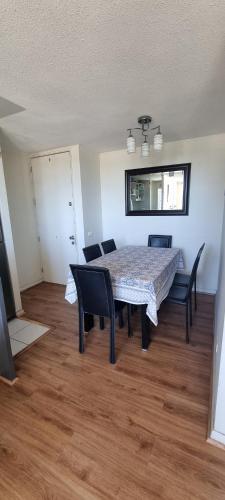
{"type": "Point", "coordinates": [158, 191]}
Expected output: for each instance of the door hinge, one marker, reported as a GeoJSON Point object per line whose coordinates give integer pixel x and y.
{"type": "Point", "coordinates": [34, 202]}
{"type": "Point", "coordinates": [42, 269]}
{"type": "Point", "coordinates": [31, 169]}
{"type": "Point", "coordinates": [39, 239]}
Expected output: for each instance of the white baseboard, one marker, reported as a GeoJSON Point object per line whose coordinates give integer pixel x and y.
{"type": "Point", "coordinates": [19, 313]}
{"type": "Point", "coordinates": [217, 437]}
{"type": "Point", "coordinates": [30, 285]}
{"type": "Point", "coordinates": [207, 292]}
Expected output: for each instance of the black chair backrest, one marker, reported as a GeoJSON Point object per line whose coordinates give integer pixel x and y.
{"type": "Point", "coordinates": [92, 252]}
{"type": "Point", "coordinates": [108, 246]}
{"type": "Point", "coordinates": [194, 269]}
{"type": "Point", "coordinates": [94, 289]}
{"type": "Point", "coordinates": [159, 240]}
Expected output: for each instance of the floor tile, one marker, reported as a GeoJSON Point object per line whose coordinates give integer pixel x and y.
{"type": "Point", "coordinates": [31, 333]}
{"type": "Point", "coordinates": [17, 346]}
{"type": "Point", "coordinates": [15, 325]}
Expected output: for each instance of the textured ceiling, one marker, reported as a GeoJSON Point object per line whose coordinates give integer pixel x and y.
{"type": "Point", "coordinates": [84, 70]}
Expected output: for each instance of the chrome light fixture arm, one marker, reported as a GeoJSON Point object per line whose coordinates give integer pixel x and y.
{"type": "Point", "coordinates": [156, 128]}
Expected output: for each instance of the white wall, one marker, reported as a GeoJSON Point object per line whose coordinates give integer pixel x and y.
{"type": "Point", "coordinates": [219, 419]}
{"type": "Point", "coordinates": [204, 222]}
{"type": "Point", "coordinates": [91, 195]}
{"type": "Point", "coordinates": [218, 403]}
{"type": "Point", "coordinates": [78, 202]}
{"type": "Point", "coordinates": [6, 224]}
{"type": "Point", "coordinates": [22, 213]}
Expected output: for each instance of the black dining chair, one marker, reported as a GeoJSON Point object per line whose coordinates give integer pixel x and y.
{"type": "Point", "coordinates": [159, 241]}
{"type": "Point", "coordinates": [182, 279]}
{"type": "Point", "coordinates": [182, 295]}
{"type": "Point", "coordinates": [92, 252]}
{"type": "Point", "coordinates": [95, 297]}
{"type": "Point", "coordinates": [108, 246]}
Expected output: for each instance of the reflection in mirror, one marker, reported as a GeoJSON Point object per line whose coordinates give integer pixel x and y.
{"type": "Point", "coordinates": [157, 191]}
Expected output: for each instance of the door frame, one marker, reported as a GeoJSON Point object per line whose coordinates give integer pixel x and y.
{"type": "Point", "coordinates": [9, 279]}
{"type": "Point", "coordinates": [74, 151]}
{"type": "Point", "coordinates": [8, 238]}
{"type": "Point", "coordinates": [42, 155]}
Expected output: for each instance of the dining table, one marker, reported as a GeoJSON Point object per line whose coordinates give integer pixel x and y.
{"type": "Point", "coordinates": [141, 276]}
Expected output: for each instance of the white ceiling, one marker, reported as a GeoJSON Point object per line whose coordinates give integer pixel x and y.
{"type": "Point", "coordinates": [84, 70]}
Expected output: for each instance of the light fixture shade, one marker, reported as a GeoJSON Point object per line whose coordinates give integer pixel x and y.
{"type": "Point", "coordinates": [158, 141]}
{"type": "Point", "coordinates": [131, 146]}
{"type": "Point", "coordinates": [145, 149]}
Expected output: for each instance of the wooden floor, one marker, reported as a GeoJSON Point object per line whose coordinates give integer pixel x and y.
{"type": "Point", "coordinates": [76, 427]}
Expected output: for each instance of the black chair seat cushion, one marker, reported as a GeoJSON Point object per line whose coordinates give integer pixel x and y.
{"type": "Point", "coordinates": [181, 279]}
{"type": "Point", "coordinates": [177, 294]}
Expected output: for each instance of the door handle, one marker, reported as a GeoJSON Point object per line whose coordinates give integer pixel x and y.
{"type": "Point", "coordinates": [72, 237]}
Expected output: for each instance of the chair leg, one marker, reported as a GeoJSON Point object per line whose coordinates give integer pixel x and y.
{"type": "Point", "coordinates": [112, 341]}
{"type": "Point", "coordinates": [81, 331]}
{"type": "Point", "coordinates": [129, 312]}
{"type": "Point", "coordinates": [191, 309]}
{"type": "Point", "coordinates": [187, 322]}
{"type": "Point", "coordinates": [121, 322]}
{"type": "Point", "coordinates": [133, 308]}
{"type": "Point", "coordinates": [101, 322]}
{"type": "Point", "coordinates": [145, 328]}
{"type": "Point", "coordinates": [88, 322]}
{"type": "Point", "coordinates": [195, 295]}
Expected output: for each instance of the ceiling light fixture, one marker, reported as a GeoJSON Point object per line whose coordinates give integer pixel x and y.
{"type": "Point", "coordinates": [145, 121]}
{"type": "Point", "coordinates": [145, 148]}
{"type": "Point", "coordinates": [131, 146]}
{"type": "Point", "coordinates": [158, 140]}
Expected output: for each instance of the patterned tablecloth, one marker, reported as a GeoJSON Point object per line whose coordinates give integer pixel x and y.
{"type": "Point", "coordinates": [140, 275]}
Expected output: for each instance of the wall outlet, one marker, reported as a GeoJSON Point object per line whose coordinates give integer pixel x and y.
{"type": "Point", "coordinates": [90, 233]}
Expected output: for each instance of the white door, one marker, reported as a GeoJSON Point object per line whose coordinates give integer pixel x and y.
{"type": "Point", "coordinates": [53, 189]}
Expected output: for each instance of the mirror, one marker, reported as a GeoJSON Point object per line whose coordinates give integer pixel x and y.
{"type": "Point", "coordinates": [158, 190]}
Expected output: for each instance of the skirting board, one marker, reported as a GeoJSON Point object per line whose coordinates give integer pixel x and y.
{"type": "Point", "coordinates": [26, 287]}
{"type": "Point", "coordinates": [19, 313]}
{"type": "Point", "coordinates": [217, 439]}
{"type": "Point", "coordinates": [202, 292]}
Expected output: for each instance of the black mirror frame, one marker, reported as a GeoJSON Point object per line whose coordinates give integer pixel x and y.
{"type": "Point", "coordinates": [186, 167]}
